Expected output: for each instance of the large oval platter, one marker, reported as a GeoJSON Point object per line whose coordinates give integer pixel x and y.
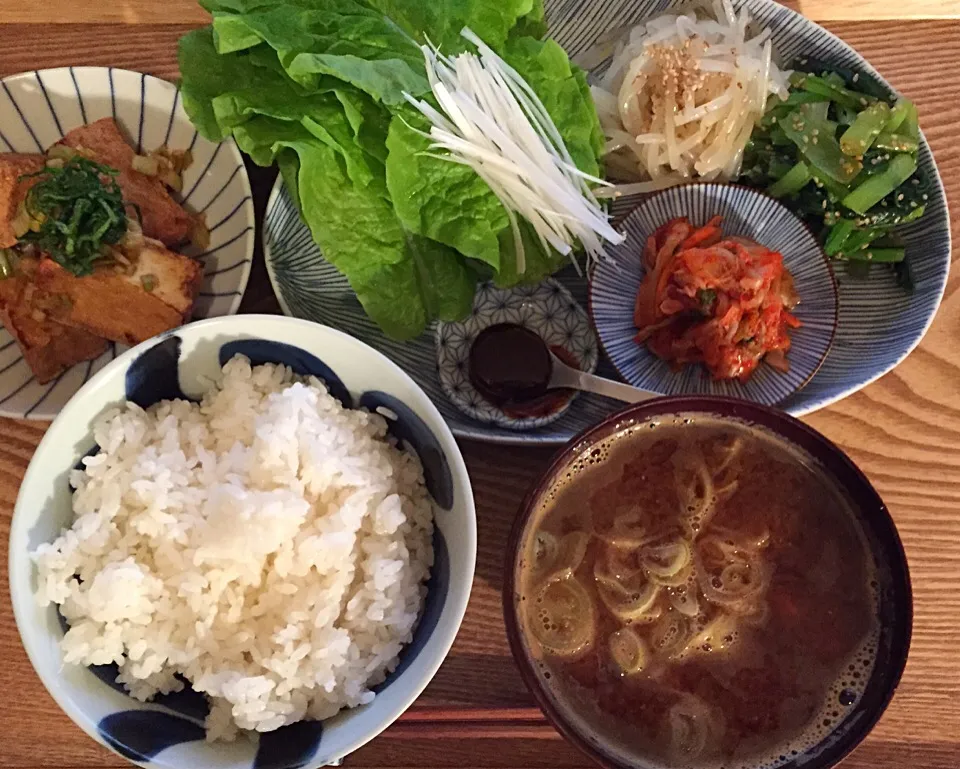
{"type": "Point", "coordinates": [879, 323]}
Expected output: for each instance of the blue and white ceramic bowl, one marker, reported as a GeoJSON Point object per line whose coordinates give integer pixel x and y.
{"type": "Point", "coordinates": [879, 324]}
{"type": "Point", "coordinates": [38, 108]}
{"type": "Point", "coordinates": [548, 310]}
{"type": "Point", "coordinates": [747, 214]}
{"type": "Point", "coordinates": [168, 732]}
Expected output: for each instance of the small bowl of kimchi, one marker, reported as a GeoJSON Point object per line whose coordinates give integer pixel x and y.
{"type": "Point", "coordinates": [717, 290]}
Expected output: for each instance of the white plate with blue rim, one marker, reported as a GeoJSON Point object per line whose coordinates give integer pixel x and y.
{"type": "Point", "coordinates": [747, 214]}
{"type": "Point", "coordinates": [38, 108]}
{"type": "Point", "coordinates": [879, 323]}
{"type": "Point", "coordinates": [168, 731]}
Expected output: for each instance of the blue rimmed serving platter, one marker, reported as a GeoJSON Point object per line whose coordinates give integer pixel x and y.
{"type": "Point", "coordinates": [879, 323]}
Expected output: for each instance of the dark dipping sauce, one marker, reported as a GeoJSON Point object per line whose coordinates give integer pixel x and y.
{"type": "Point", "coordinates": [510, 367]}
{"type": "Point", "coordinates": [699, 594]}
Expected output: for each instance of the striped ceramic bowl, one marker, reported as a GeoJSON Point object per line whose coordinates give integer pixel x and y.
{"type": "Point", "coordinates": [38, 108]}
{"type": "Point", "coordinates": [748, 214]}
{"type": "Point", "coordinates": [879, 322]}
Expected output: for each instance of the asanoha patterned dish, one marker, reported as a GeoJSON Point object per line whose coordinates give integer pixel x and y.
{"type": "Point", "coordinates": [549, 310]}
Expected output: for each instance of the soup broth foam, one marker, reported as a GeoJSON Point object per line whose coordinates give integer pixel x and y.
{"type": "Point", "coordinates": [697, 593]}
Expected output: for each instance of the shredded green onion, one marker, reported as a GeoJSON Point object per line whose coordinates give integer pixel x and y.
{"type": "Point", "coordinates": [75, 211]}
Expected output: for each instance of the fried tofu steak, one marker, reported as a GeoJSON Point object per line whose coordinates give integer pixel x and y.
{"type": "Point", "coordinates": [49, 348]}
{"type": "Point", "coordinates": [138, 289]}
{"type": "Point", "coordinates": [162, 217]}
{"type": "Point", "coordinates": [13, 190]}
{"type": "Point", "coordinates": [126, 303]}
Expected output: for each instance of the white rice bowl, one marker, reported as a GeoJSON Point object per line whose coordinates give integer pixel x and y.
{"type": "Point", "coordinates": [267, 544]}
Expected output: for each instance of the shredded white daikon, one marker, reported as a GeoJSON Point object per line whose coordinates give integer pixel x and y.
{"type": "Point", "coordinates": [682, 96]}
{"type": "Point", "coordinates": [491, 120]}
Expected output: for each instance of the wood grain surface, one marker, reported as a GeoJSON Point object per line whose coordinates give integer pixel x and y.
{"type": "Point", "coordinates": [189, 12]}
{"type": "Point", "coordinates": [904, 431]}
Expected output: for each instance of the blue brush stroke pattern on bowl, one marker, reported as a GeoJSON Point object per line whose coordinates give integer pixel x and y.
{"type": "Point", "coordinates": [153, 376]}
{"type": "Point", "coordinates": [168, 731]}
{"type": "Point", "coordinates": [748, 214]}
{"type": "Point", "coordinates": [302, 363]}
{"type": "Point", "coordinates": [38, 108]}
{"type": "Point", "coordinates": [140, 735]}
{"type": "Point", "coordinates": [879, 323]}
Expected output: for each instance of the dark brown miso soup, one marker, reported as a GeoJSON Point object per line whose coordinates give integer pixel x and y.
{"type": "Point", "coordinates": [697, 593]}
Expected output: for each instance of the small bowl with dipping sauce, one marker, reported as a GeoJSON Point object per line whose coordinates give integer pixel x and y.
{"type": "Point", "coordinates": [705, 582]}
{"type": "Point", "coordinates": [466, 369]}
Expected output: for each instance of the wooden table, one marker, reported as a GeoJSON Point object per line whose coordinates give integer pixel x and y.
{"type": "Point", "coordinates": [904, 431]}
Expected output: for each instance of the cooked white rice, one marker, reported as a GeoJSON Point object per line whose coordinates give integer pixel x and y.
{"type": "Point", "coordinates": [268, 544]}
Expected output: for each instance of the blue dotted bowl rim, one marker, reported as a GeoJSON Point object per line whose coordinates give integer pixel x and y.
{"type": "Point", "coordinates": [760, 193]}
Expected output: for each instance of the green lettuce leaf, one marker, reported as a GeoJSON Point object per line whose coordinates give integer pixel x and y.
{"type": "Point", "coordinates": [318, 86]}
{"type": "Point", "coordinates": [402, 280]}
{"type": "Point", "coordinates": [339, 38]}
{"type": "Point", "coordinates": [439, 199]}
{"type": "Point", "coordinates": [288, 163]}
{"type": "Point", "coordinates": [539, 262]}
{"type": "Point", "coordinates": [440, 21]}
{"type": "Point", "coordinates": [205, 75]}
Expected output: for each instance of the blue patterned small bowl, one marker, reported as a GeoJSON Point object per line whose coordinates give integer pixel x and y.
{"type": "Point", "coordinates": [38, 108]}
{"type": "Point", "coordinates": [168, 732]}
{"type": "Point", "coordinates": [549, 310]}
{"type": "Point", "coordinates": [748, 214]}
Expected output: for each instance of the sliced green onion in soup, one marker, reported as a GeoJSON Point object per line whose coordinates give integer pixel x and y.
{"type": "Point", "coordinates": [544, 548]}
{"type": "Point", "coordinates": [630, 606]}
{"type": "Point", "coordinates": [725, 484]}
{"type": "Point", "coordinates": [667, 560]}
{"type": "Point", "coordinates": [561, 618]}
{"type": "Point", "coordinates": [618, 565]}
{"type": "Point", "coordinates": [616, 585]}
{"type": "Point", "coordinates": [679, 579]}
{"type": "Point", "coordinates": [695, 490]}
{"type": "Point", "coordinates": [627, 532]}
{"type": "Point", "coordinates": [628, 651]}
{"type": "Point", "coordinates": [725, 451]}
{"type": "Point", "coordinates": [684, 599]}
{"type": "Point", "coordinates": [570, 554]}
{"type": "Point", "coordinates": [690, 725]}
{"type": "Point", "coordinates": [554, 558]}
{"type": "Point", "coordinates": [670, 634]}
{"type": "Point", "coordinates": [730, 576]}
{"type": "Point", "coordinates": [626, 591]}
{"type": "Point", "coordinates": [719, 635]}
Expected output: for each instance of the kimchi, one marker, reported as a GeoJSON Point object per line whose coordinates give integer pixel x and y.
{"type": "Point", "coordinates": [721, 301]}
